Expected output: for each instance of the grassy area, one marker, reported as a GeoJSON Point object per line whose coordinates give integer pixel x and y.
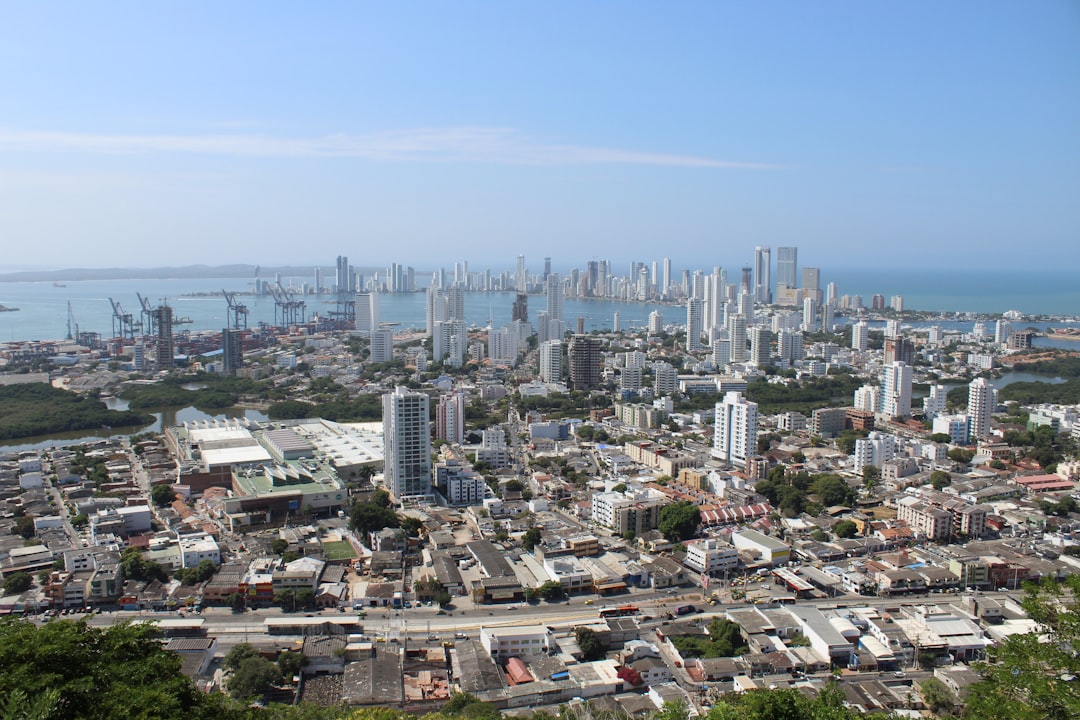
{"type": "Point", "coordinates": [338, 550]}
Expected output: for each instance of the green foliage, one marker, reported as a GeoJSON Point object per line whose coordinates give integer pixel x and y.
{"type": "Point", "coordinates": [961, 455]}
{"type": "Point", "coordinates": [531, 538]}
{"type": "Point", "coordinates": [39, 408]}
{"type": "Point", "coordinates": [279, 545]}
{"type": "Point", "coordinates": [1032, 393]}
{"type": "Point", "coordinates": [253, 677]}
{"type": "Point", "coordinates": [833, 490]}
{"type": "Point", "coordinates": [845, 529]}
{"type": "Point", "coordinates": [937, 696]}
{"type": "Point", "coordinates": [1061, 508]}
{"type": "Point", "coordinates": [724, 640]}
{"type": "Point", "coordinates": [291, 410]}
{"type": "Point", "coordinates": [136, 567]}
{"type": "Point", "coordinates": [78, 672]}
{"type": "Point", "coordinates": [201, 573]}
{"type": "Point", "coordinates": [162, 495]}
{"type": "Point", "coordinates": [290, 663]}
{"type": "Point", "coordinates": [783, 705]}
{"type": "Point", "coordinates": [238, 654]}
{"type": "Point", "coordinates": [941, 438]}
{"type": "Point", "coordinates": [16, 583]}
{"type": "Point", "coordinates": [551, 590]}
{"type": "Point", "coordinates": [368, 517]}
{"type": "Point", "coordinates": [870, 475]}
{"type": "Point", "coordinates": [679, 520]}
{"type": "Point", "coordinates": [940, 479]}
{"type": "Point", "coordinates": [592, 648]}
{"type": "Point", "coordinates": [819, 535]}
{"type": "Point", "coordinates": [1025, 676]}
{"type": "Point", "coordinates": [23, 527]}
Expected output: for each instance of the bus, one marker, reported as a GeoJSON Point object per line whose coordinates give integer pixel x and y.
{"type": "Point", "coordinates": [621, 611]}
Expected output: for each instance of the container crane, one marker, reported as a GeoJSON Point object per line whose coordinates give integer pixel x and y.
{"type": "Point", "coordinates": [123, 323]}
{"type": "Point", "coordinates": [237, 311]}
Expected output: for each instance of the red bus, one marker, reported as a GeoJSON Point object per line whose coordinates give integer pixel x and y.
{"type": "Point", "coordinates": [621, 611]}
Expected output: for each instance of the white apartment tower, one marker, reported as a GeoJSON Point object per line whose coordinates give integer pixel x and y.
{"type": "Point", "coordinates": [551, 354]}
{"type": "Point", "coordinates": [735, 437]}
{"type": "Point", "coordinates": [694, 319]}
{"type": "Point", "coordinates": [896, 390]}
{"type": "Point", "coordinates": [934, 403]}
{"type": "Point", "coordinates": [981, 401]}
{"type": "Point", "coordinates": [367, 313]}
{"type": "Point", "coordinates": [860, 336]}
{"type": "Point", "coordinates": [407, 443]}
{"type": "Point", "coordinates": [737, 336]}
{"type": "Point", "coordinates": [382, 344]}
{"type": "Point", "coordinates": [762, 275]}
{"type": "Point", "coordinates": [656, 322]}
{"type": "Point", "coordinates": [665, 378]}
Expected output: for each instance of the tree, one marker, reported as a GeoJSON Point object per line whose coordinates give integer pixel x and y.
{"type": "Point", "coordinates": [551, 590]}
{"type": "Point", "coordinates": [845, 529]}
{"type": "Point", "coordinates": [90, 673]}
{"type": "Point", "coordinates": [870, 475]}
{"type": "Point", "coordinates": [943, 438]}
{"type": "Point", "coordinates": [591, 646]}
{"type": "Point", "coordinates": [24, 527]}
{"type": "Point", "coordinates": [371, 517]}
{"type": "Point", "coordinates": [940, 479]}
{"type": "Point", "coordinates": [937, 696]}
{"type": "Point", "coordinates": [253, 677]}
{"type": "Point", "coordinates": [679, 520]}
{"type": "Point", "coordinates": [136, 567]}
{"type": "Point", "coordinates": [381, 498]}
{"type": "Point", "coordinates": [1025, 677]}
{"type": "Point", "coordinates": [238, 654]}
{"type": "Point", "coordinates": [531, 538]}
{"type": "Point", "coordinates": [16, 583]}
{"type": "Point", "coordinates": [290, 663]}
{"type": "Point", "coordinates": [162, 495]}
{"type": "Point", "coordinates": [961, 455]}
{"type": "Point", "coordinates": [279, 546]}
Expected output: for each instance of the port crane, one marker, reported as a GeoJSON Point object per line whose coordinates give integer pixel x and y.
{"type": "Point", "coordinates": [72, 326]}
{"type": "Point", "coordinates": [237, 311]}
{"type": "Point", "coordinates": [124, 324]}
{"type": "Point", "coordinates": [147, 314]}
{"type": "Point", "coordinates": [287, 310]}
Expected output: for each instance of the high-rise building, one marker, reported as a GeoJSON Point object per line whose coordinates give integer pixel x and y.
{"type": "Point", "coordinates": [762, 274]}
{"type": "Point", "coordinates": [665, 278]}
{"type": "Point", "coordinates": [656, 322]}
{"type": "Point", "coordinates": [585, 355]}
{"type": "Point", "coordinates": [899, 348]}
{"type": "Point", "coordinates": [232, 342]}
{"type": "Point", "coordinates": [736, 330]}
{"type": "Point", "coordinates": [735, 436]}
{"type": "Point", "coordinates": [455, 303]}
{"type": "Point", "coordinates": [367, 313]}
{"type": "Point", "coordinates": [981, 402]}
{"type": "Point", "coordinates": [382, 344]}
{"type": "Point", "coordinates": [860, 336]}
{"type": "Point", "coordinates": [166, 350]}
{"type": "Point", "coordinates": [665, 378]}
{"type": "Point", "coordinates": [867, 398]}
{"type": "Point", "coordinates": [896, 390]}
{"type": "Point", "coordinates": [811, 283]}
{"type": "Point", "coordinates": [789, 345]}
{"type": "Point", "coordinates": [448, 343]}
{"type": "Point", "coordinates": [693, 324]}
{"type": "Point", "coordinates": [343, 275]}
{"type": "Point", "coordinates": [450, 418]}
{"type": "Point", "coordinates": [934, 403]}
{"type": "Point", "coordinates": [810, 319]}
{"type": "Point", "coordinates": [407, 443]}
{"type": "Point", "coordinates": [522, 279]}
{"type": "Point", "coordinates": [551, 361]}
{"type": "Point", "coordinates": [554, 291]}
{"type": "Point", "coordinates": [787, 266]}
{"type": "Point", "coordinates": [760, 346]}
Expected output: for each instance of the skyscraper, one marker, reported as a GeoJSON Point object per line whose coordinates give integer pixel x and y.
{"type": "Point", "coordinates": [787, 266]}
{"type": "Point", "coordinates": [522, 280]}
{"type": "Point", "coordinates": [450, 418]}
{"type": "Point", "coordinates": [585, 355]}
{"type": "Point", "coordinates": [762, 275]}
{"type": "Point", "coordinates": [737, 335]}
{"type": "Point", "coordinates": [551, 361]}
{"type": "Point", "coordinates": [342, 275]}
{"type": "Point", "coordinates": [896, 390]}
{"type": "Point", "coordinates": [811, 283]}
{"type": "Point", "coordinates": [860, 336]}
{"type": "Point", "coordinates": [693, 324]}
{"type": "Point", "coordinates": [382, 344]}
{"type": "Point", "coordinates": [232, 350]}
{"type": "Point", "coordinates": [407, 443]}
{"type": "Point", "coordinates": [735, 436]}
{"type": "Point", "coordinates": [760, 346]}
{"type": "Point", "coordinates": [367, 313]}
{"type": "Point", "coordinates": [554, 292]}
{"type": "Point", "coordinates": [980, 406]}
{"type": "Point", "coordinates": [165, 351]}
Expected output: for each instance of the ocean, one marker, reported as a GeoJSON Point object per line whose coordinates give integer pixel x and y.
{"type": "Point", "coordinates": [43, 307]}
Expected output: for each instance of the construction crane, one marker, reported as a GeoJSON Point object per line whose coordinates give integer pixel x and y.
{"type": "Point", "coordinates": [237, 311]}
{"type": "Point", "coordinates": [287, 310]}
{"type": "Point", "coordinates": [123, 323]}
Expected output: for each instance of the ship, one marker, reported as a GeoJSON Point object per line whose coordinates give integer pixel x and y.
{"type": "Point", "coordinates": [1063, 333]}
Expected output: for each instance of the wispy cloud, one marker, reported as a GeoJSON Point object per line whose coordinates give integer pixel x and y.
{"type": "Point", "coordinates": [461, 144]}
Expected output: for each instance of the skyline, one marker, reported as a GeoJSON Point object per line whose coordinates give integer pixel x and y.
{"type": "Point", "coordinates": [145, 136]}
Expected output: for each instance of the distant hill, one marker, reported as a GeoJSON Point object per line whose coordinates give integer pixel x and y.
{"type": "Point", "coordinates": [160, 273]}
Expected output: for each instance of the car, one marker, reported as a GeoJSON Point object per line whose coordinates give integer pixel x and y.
{"type": "Point", "coordinates": [590, 601]}
{"type": "Point", "coordinates": [672, 591]}
{"type": "Point", "coordinates": [899, 674]}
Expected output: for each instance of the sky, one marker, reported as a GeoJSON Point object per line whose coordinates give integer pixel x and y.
{"type": "Point", "coordinates": [916, 134]}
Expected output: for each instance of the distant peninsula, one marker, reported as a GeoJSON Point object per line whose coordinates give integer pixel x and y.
{"type": "Point", "coordinates": [162, 273]}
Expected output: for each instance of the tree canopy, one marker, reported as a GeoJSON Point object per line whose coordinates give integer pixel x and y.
{"type": "Point", "coordinates": [679, 521]}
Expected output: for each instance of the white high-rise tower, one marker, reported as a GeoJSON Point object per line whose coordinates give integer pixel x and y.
{"type": "Point", "coordinates": [407, 443]}
{"type": "Point", "coordinates": [735, 437]}
{"type": "Point", "coordinates": [981, 401]}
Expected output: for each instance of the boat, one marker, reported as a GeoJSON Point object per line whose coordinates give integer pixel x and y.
{"type": "Point", "coordinates": [59, 284]}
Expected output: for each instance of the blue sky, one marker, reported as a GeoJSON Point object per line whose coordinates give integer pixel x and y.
{"type": "Point", "coordinates": [899, 134]}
